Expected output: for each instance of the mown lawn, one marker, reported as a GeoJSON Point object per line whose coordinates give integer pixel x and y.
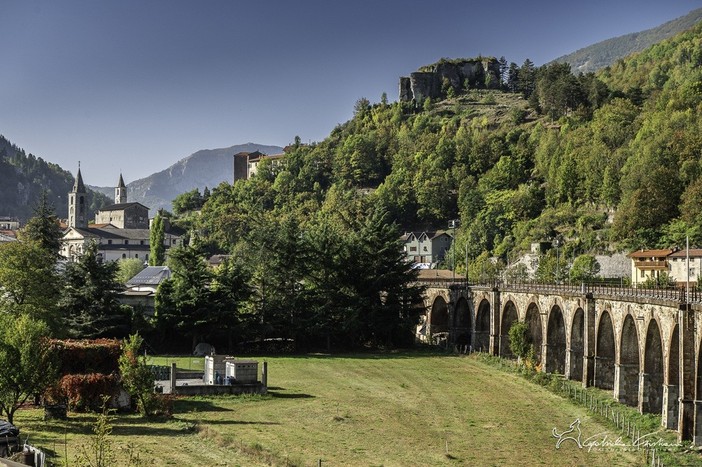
{"type": "Point", "coordinates": [401, 409]}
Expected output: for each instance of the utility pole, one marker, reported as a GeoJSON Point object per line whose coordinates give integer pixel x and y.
{"type": "Point", "coordinates": [557, 243]}
{"type": "Point", "coordinates": [687, 268]}
{"type": "Point", "coordinates": [452, 225]}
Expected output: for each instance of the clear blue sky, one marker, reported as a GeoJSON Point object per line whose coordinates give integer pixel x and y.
{"type": "Point", "coordinates": [136, 85]}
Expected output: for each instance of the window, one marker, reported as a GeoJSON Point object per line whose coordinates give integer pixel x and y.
{"type": "Point", "coordinates": [141, 242]}
{"type": "Point", "coordinates": [413, 248]}
{"type": "Point", "coordinates": [126, 242]}
{"type": "Point", "coordinates": [425, 249]}
{"type": "Point", "coordinates": [109, 242]}
{"type": "Point", "coordinates": [124, 255]}
{"type": "Point", "coordinates": [136, 255]}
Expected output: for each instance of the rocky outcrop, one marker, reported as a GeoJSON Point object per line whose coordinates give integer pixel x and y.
{"type": "Point", "coordinates": [432, 81]}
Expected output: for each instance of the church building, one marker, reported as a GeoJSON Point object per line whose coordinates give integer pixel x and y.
{"type": "Point", "coordinates": [121, 230]}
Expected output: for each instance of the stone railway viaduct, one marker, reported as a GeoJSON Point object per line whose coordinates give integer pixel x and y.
{"type": "Point", "coordinates": [644, 346]}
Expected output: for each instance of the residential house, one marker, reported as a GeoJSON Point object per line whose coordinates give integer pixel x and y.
{"type": "Point", "coordinates": [649, 264]}
{"type": "Point", "coordinates": [246, 163]}
{"type": "Point", "coordinates": [677, 262]}
{"type": "Point", "coordinates": [8, 223]}
{"type": "Point", "coordinates": [427, 248]}
{"type": "Point", "coordinates": [140, 292]}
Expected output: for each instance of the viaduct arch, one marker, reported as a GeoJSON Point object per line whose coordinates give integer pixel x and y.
{"type": "Point", "coordinates": [644, 347]}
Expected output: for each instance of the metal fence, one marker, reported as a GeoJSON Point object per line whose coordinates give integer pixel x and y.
{"type": "Point", "coordinates": [682, 295]}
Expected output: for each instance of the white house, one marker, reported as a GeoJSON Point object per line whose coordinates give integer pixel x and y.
{"type": "Point", "coordinates": [677, 262]}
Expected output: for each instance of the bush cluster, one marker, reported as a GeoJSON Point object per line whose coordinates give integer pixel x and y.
{"type": "Point", "coordinates": [88, 355]}
{"type": "Point", "coordinates": [89, 372]}
{"type": "Point", "coordinates": [85, 392]}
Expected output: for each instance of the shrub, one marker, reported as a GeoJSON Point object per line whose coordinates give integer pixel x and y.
{"type": "Point", "coordinates": [136, 374]}
{"type": "Point", "coordinates": [88, 356]}
{"type": "Point", "coordinates": [84, 392]}
{"type": "Point", "coordinates": [519, 339]}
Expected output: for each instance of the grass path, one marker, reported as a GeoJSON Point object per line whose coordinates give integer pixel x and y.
{"type": "Point", "coordinates": [412, 409]}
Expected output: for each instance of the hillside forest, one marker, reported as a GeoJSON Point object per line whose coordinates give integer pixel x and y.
{"type": "Point", "coordinates": [604, 163]}
{"type": "Point", "coordinates": [25, 178]}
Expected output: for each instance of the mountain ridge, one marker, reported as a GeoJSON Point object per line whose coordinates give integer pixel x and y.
{"type": "Point", "coordinates": [203, 168]}
{"type": "Point", "coordinates": [605, 53]}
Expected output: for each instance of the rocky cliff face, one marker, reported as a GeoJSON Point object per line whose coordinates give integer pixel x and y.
{"type": "Point", "coordinates": [461, 75]}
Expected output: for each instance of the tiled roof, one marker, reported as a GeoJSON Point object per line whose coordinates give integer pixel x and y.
{"type": "Point", "coordinates": [112, 232]}
{"type": "Point", "coordinates": [694, 253]}
{"type": "Point", "coordinates": [651, 253]}
{"type": "Point", "coordinates": [121, 206]}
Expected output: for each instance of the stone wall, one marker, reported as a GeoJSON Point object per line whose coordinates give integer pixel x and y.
{"type": "Point", "coordinates": [614, 266]}
{"type": "Point", "coordinates": [427, 82]}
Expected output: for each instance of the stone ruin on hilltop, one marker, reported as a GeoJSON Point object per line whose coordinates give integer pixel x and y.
{"type": "Point", "coordinates": [460, 74]}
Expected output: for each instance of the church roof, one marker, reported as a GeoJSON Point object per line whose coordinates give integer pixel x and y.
{"type": "Point", "coordinates": [78, 186]}
{"type": "Point", "coordinates": [121, 206]}
{"type": "Point", "coordinates": [120, 184]}
{"type": "Point", "coordinates": [112, 232]}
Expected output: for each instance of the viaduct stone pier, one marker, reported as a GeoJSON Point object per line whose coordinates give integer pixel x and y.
{"type": "Point", "coordinates": [643, 345]}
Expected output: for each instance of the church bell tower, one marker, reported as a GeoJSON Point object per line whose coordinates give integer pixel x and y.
{"type": "Point", "coordinates": [77, 204]}
{"type": "Point", "coordinates": [120, 191]}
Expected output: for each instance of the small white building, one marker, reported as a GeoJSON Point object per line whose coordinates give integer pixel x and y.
{"type": "Point", "coordinates": [8, 223]}
{"type": "Point", "coordinates": [677, 263]}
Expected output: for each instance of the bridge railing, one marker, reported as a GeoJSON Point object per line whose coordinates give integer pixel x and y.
{"type": "Point", "coordinates": [673, 293]}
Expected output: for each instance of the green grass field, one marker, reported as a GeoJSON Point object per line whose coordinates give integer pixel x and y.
{"type": "Point", "coordinates": [405, 409]}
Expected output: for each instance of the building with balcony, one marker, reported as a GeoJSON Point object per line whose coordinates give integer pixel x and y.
{"type": "Point", "coordinates": [649, 264]}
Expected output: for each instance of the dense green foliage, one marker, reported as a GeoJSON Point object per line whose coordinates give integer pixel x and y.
{"type": "Point", "coordinates": [128, 268]}
{"type": "Point", "coordinates": [30, 284]}
{"type": "Point", "coordinates": [27, 362]}
{"type": "Point", "coordinates": [190, 201]}
{"type": "Point", "coordinates": [338, 280]}
{"type": "Point", "coordinates": [137, 377]}
{"type": "Point", "coordinates": [519, 343]}
{"type": "Point", "coordinates": [88, 303]}
{"type": "Point", "coordinates": [43, 228]}
{"type": "Point", "coordinates": [25, 178]}
{"type": "Point", "coordinates": [157, 253]}
{"type": "Point", "coordinates": [199, 302]}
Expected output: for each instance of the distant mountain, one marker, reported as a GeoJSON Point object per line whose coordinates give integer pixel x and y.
{"type": "Point", "coordinates": [607, 52]}
{"type": "Point", "coordinates": [205, 168]}
{"type": "Point", "coordinates": [24, 176]}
